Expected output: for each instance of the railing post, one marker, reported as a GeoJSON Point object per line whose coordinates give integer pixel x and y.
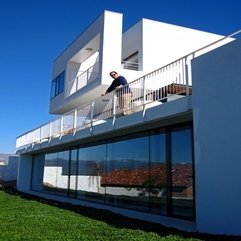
{"type": "Point", "coordinates": [50, 130]}
{"type": "Point", "coordinates": [114, 103]}
{"type": "Point", "coordinates": [68, 81]}
{"type": "Point", "coordinates": [187, 73]}
{"type": "Point", "coordinates": [75, 120]}
{"type": "Point", "coordinates": [92, 113]}
{"type": "Point", "coordinates": [144, 91]}
{"type": "Point", "coordinates": [61, 124]}
{"type": "Point", "coordinates": [40, 136]}
{"type": "Point", "coordinates": [87, 76]}
{"type": "Point", "coordinates": [76, 83]}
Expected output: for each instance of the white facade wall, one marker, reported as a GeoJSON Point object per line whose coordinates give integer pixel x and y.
{"type": "Point", "coordinates": [163, 43]}
{"type": "Point", "coordinates": [60, 63]}
{"type": "Point", "coordinates": [24, 173]}
{"type": "Point", "coordinates": [111, 46]}
{"type": "Point", "coordinates": [217, 135]}
{"type": "Point", "coordinates": [9, 171]}
{"type": "Point", "coordinates": [132, 43]}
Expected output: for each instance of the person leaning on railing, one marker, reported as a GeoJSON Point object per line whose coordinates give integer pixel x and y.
{"type": "Point", "coordinates": [123, 92]}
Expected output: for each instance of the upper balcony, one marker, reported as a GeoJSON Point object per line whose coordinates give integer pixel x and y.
{"type": "Point", "coordinates": [81, 71]}
{"type": "Point", "coordinates": [153, 90]}
{"type": "Point", "coordinates": [89, 72]}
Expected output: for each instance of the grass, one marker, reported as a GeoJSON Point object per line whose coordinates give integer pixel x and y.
{"type": "Point", "coordinates": [24, 217]}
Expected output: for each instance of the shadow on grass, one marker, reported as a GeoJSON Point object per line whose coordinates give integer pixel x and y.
{"type": "Point", "coordinates": [119, 221]}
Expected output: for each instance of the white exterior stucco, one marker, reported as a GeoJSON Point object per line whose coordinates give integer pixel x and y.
{"type": "Point", "coordinates": [9, 169]}
{"type": "Point", "coordinates": [217, 135]}
{"type": "Point", "coordinates": [24, 173]}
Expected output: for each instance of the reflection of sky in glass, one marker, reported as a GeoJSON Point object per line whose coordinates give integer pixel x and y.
{"type": "Point", "coordinates": [51, 156]}
{"type": "Point", "coordinates": [158, 148]}
{"type": "Point", "coordinates": [136, 149]}
{"type": "Point", "coordinates": [133, 149]}
{"type": "Point", "coordinates": [63, 155]}
{"type": "Point", "coordinates": [181, 146]}
{"type": "Point", "coordinates": [97, 153]}
{"type": "Point", "coordinates": [74, 155]}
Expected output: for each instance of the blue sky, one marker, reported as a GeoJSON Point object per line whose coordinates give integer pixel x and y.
{"type": "Point", "coordinates": [34, 33]}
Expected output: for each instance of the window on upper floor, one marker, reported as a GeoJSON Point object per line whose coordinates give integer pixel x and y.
{"type": "Point", "coordinates": [57, 85]}
{"type": "Point", "coordinates": [131, 62]}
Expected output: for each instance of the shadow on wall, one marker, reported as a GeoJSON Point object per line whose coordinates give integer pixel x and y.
{"type": "Point", "coordinates": [9, 170]}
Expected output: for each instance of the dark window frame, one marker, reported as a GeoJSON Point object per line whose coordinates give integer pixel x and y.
{"type": "Point", "coordinates": [57, 85]}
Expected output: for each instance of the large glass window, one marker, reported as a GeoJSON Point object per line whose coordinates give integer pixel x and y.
{"type": "Point", "coordinates": [90, 172]}
{"type": "Point", "coordinates": [73, 172]}
{"type": "Point", "coordinates": [56, 172]}
{"type": "Point", "coordinates": [50, 172]}
{"type": "Point", "coordinates": [127, 173]}
{"type": "Point", "coordinates": [37, 172]}
{"type": "Point", "coordinates": [182, 173]}
{"type": "Point", "coordinates": [158, 173]}
{"type": "Point", "coordinates": [63, 172]}
{"type": "Point", "coordinates": [131, 62]}
{"type": "Point", "coordinates": [151, 171]}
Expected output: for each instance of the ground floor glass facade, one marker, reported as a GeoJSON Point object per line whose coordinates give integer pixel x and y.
{"type": "Point", "coordinates": [150, 171]}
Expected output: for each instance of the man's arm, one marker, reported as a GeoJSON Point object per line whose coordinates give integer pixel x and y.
{"type": "Point", "coordinates": [112, 87]}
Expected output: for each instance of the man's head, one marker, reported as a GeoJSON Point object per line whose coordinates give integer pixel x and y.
{"type": "Point", "coordinates": [114, 74]}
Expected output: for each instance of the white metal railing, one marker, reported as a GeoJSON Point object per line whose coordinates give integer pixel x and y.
{"type": "Point", "coordinates": [149, 89]}
{"type": "Point", "coordinates": [84, 78]}
{"type": "Point", "coordinates": [161, 85]}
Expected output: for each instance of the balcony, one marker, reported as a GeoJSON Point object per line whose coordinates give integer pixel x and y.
{"type": "Point", "coordinates": [163, 85]}
{"type": "Point", "coordinates": [158, 87]}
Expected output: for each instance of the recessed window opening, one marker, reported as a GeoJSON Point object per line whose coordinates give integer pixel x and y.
{"type": "Point", "coordinates": [131, 62]}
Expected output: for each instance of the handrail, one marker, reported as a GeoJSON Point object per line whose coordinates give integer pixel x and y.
{"type": "Point", "coordinates": [75, 82]}
{"type": "Point", "coordinates": [172, 77]}
{"type": "Point", "coordinates": [87, 70]}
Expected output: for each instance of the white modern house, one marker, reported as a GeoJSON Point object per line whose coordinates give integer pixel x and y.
{"type": "Point", "coordinates": [176, 160]}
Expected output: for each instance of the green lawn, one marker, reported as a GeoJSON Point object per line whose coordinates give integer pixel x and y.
{"type": "Point", "coordinates": [28, 218]}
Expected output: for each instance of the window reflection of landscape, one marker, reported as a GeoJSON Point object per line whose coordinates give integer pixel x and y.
{"type": "Point", "coordinates": [151, 172]}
